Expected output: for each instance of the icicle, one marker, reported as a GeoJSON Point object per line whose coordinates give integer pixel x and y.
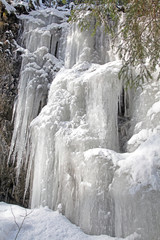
{"type": "Point", "coordinates": [84, 46]}
{"type": "Point", "coordinates": [37, 71]}
{"type": "Point", "coordinates": [81, 114]}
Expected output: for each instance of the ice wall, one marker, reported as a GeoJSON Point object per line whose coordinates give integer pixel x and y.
{"type": "Point", "coordinates": [83, 46]}
{"type": "Point", "coordinates": [42, 50]}
{"type": "Point", "coordinates": [64, 173]}
{"type": "Point", "coordinates": [71, 144]}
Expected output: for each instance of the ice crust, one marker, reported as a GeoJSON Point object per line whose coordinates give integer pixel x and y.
{"type": "Point", "coordinates": [71, 145]}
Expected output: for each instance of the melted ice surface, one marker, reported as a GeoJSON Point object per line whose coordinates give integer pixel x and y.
{"type": "Point", "coordinates": [72, 143]}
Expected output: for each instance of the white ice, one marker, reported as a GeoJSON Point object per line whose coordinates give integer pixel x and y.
{"type": "Point", "coordinates": [41, 42]}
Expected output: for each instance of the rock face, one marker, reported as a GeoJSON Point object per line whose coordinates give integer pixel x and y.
{"type": "Point", "coordinates": [10, 65]}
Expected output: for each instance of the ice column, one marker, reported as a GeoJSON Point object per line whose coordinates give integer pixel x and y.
{"type": "Point", "coordinates": [84, 46]}
{"type": "Point", "coordinates": [44, 43]}
{"type": "Point", "coordinates": [81, 115]}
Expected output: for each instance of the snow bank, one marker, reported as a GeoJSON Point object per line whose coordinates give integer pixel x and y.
{"type": "Point", "coordinates": [42, 224]}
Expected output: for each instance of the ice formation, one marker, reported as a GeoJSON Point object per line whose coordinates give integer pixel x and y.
{"type": "Point", "coordinates": [71, 141]}
{"type": "Point", "coordinates": [42, 56]}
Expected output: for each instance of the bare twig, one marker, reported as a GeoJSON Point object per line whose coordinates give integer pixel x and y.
{"type": "Point", "coordinates": [21, 225]}
{"type": "Point", "coordinates": [14, 217]}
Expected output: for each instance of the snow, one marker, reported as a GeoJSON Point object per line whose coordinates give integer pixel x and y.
{"type": "Point", "coordinates": [42, 224]}
{"type": "Point", "coordinates": [137, 139]}
{"type": "Point", "coordinates": [155, 109]}
{"type": "Point", "coordinates": [143, 168]}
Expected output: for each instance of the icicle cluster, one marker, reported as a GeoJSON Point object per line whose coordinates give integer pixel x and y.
{"type": "Point", "coordinates": [42, 56]}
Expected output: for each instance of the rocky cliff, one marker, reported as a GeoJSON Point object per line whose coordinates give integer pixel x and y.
{"type": "Point", "coordinates": [10, 65]}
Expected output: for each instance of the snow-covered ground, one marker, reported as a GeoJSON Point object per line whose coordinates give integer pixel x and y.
{"type": "Point", "coordinates": [41, 224]}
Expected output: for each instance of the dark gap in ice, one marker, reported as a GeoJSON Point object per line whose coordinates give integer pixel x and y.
{"type": "Point", "coordinates": [123, 120]}
{"type": "Point", "coordinates": [50, 47]}
{"type": "Point", "coordinates": [56, 50]}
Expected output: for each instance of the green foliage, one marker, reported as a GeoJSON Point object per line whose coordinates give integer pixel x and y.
{"type": "Point", "coordinates": [137, 24]}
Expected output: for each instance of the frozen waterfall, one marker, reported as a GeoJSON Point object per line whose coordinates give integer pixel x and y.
{"type": "Point", "coordinates": [68, 137]}
{"type": "Point", "coordinates": [43, 47]}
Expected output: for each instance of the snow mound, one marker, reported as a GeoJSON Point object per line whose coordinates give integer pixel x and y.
{"type": "Point", "coordinates": [42, 224]}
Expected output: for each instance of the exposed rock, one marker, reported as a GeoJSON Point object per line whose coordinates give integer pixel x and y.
{"type": "Point", "coordinates": [10, 65]}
